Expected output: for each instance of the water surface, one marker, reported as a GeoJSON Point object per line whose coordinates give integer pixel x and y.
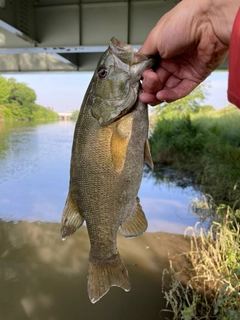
{"type": "Point", "coordinates": [42, 277]}
{"type": "Point", "coordinates": [34, 177]}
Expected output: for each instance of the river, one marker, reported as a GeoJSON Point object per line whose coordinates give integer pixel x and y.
{"type": "Point", "coordinates": [42, 277]}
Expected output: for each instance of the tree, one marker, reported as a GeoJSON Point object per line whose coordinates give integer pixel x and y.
{"type": "Point", "coordinates": [17, 102]}
{"type": "Point", "coordinates": [4, 90]}
{"type": "Point", "coordinates": [75, 115]}
{"type": "Point", "coordinates": [21, 93]}
{"type": "Point", "coordinates": [205, 109]}
{"type": "Point", "coordinates": [186, 105]}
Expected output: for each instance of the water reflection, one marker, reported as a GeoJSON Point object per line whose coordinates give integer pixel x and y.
{"type": "Point", "coordinates": [165, 196]}
{"type": "Point", "coordinates": [182, 188]}
{"type": "Point", "coordinates": [42, 277]}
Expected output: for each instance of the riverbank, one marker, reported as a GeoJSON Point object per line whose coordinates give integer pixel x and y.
{"type": "Point", "coordinates": [13, 112]}
{"type": "Point", "coordinates": [208, 146]}
{"type": "Point", "coordinates": [205, 144]}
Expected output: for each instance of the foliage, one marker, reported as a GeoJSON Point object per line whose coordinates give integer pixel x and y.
{"type": "Point", "coordinates": [178, 135]}
{"type": "Point", "coordinates": [17, 102]}
{"type": "Point", "coordinates": [213, 288]}
{"type": "Point", "coordinates": [21, 93]}
{"type": "Point", "coordinates": [206, 144]}
{"type": "Point", "coordinates": [205, 109]}
{"type": "Point", "coordinates": [186, 105]}
{"type": "Point", "coordinates": [4, 90]}
{"type": "Point", "coordinates": [75, 115]}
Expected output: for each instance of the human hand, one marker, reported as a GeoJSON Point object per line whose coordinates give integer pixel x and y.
{"type": "Point", "coordinates": [192, 40]}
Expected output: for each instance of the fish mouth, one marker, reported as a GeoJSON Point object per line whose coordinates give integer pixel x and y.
{"type": "Point", "coordinates": [130, 55]}
{"type": "Point", "coordinates": [155, 60]}
{"type": "Point", "coordinates": [133, 63]}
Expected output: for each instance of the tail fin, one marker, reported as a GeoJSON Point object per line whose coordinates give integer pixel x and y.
{"type": "Point", "coordinates": [104, 274]}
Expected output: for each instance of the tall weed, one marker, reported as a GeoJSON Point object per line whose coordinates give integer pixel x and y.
{"type": "Point", "coordinates": [213, 288]}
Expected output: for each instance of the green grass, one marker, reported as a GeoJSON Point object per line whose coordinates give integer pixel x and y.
{"type": "Point", "coordinates": [207, 144]}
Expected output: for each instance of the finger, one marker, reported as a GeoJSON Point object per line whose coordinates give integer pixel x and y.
{"type": "Point", "coordinates": [151, 82]}
{"type": "Point", "coordinates": [150, 44]}
{"type": "Point", "coordinates": [181, 90]}
{"type": "Point", "coordinates": [163, 74]}
{"type": "Point", "coordinates": [149, 98]}
{"type": "Point", "coordinates": [172, 82]}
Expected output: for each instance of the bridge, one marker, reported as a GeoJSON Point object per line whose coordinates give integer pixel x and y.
{"type": "Point", "coordinates": [70, 35]}
{"type": "Point", "coordinates": [64, 116]}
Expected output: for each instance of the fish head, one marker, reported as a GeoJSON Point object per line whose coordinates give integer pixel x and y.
{"type": "Point", "coordinates": [115, 83]}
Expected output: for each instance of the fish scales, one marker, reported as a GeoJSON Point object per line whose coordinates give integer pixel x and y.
{"type": "Point", "coordinates": [109, 148]}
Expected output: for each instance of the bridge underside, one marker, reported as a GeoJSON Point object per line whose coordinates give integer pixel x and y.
{"type": "Point", "coordinates": [70, 35]}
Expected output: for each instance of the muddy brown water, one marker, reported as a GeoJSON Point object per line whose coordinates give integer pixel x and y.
{"type": "Point", "coordinates": [42, 277]}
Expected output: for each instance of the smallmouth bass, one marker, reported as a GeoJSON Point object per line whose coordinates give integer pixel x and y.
{"type": "Point", "coordinates": [109, 149]}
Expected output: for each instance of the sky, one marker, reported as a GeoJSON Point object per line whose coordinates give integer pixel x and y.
{"type": "Point", "coordinates": [64, 91]}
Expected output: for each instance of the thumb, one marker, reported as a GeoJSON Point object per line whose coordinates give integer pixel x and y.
{"type": "Point", "coordinates": [150, 45]}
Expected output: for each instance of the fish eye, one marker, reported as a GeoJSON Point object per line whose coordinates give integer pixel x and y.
{"type": "Point", "coordinates": [102, 73]}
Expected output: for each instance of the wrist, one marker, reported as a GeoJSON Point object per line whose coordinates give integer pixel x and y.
{"type": "Point", "coordinates": [222, 14]}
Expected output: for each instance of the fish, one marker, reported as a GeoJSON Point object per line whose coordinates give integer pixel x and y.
{"type": "Point", "coordinates": [110, 147]}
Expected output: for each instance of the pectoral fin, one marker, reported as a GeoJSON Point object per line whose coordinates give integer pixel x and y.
{"type": "Point", "coordinates": [71, 218]}
{"type": "Point", "coordinates": [147, 155]}
{"type": "Point", "coordinates": [119, 142]}
{"type": "Point", "coordinates": [135, 224]}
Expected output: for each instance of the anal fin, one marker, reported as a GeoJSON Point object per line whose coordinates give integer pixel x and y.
{"type": "Point", "coordinates": [135, 224]}
{"type": "Point", "coordinates": [71, 218]}
{"type": "Point", "coordinates": [147, 155]}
